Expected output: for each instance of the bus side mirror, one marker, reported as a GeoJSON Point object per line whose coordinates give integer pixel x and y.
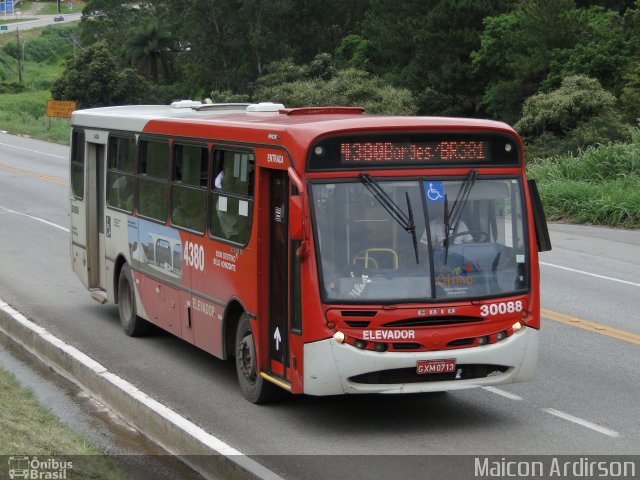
{"type": "Point", "coordinates": [296, 227]}
{"type": "Point", "coordinates": [539, 219]}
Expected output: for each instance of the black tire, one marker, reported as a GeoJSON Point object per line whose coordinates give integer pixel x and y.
{"type": "Point", "coordinates": [255, 388]}
{"type": "Point", "coordinates": [132, 324]}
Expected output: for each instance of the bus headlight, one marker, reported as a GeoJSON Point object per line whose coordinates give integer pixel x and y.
{"type": "Point", "coordinates": [339, 337]}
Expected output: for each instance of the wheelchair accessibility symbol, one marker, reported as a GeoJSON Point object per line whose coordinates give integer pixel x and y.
{"type": "Point", "coordinates": [434, 191]}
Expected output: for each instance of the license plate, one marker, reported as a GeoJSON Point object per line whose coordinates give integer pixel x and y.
{"type": "Point", "coordinates": [424, 367]}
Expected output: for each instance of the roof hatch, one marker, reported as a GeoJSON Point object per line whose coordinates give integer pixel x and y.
{"type": "Point", "coordinates": [321, 110]}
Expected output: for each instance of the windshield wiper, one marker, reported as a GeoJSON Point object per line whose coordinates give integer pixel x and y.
{"type": "Point", "coordinates": [405, 220]}
{"type": "Point", "coordinates": [452, 218]}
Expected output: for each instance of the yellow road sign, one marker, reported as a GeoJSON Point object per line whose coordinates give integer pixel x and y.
{"type": "Point", "coordinates": [60, 108]}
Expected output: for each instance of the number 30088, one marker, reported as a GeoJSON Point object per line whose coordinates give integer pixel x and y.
{"type": "Point", "coordinates": [501, 308]}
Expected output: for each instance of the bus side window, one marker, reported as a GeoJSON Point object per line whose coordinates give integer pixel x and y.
{"type": "Point", "coordinates": [232, 196]}
{"type": "Point", "coordinates": [121, 172]}
{"type": "Point", "coordinates": [77, 165]}
{"type": "Point", "coordinates": [188, 191]}
{"type": "Point", "coordinates": [153, 179]}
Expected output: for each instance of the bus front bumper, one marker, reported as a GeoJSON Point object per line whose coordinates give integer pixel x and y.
{"type": "Point", "coordinates": [330, 367]}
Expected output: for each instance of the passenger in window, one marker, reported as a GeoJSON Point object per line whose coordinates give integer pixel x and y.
{"type": "Point", "coordinates": [121, 194]}
{"type": "Point", "coordinates": [229, 221]}
{"type": "Point", "coordinates": [218, 181]}
{"type": "Point", "coordinates": [232, 185]}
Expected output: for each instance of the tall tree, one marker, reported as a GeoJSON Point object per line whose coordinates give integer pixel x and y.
{"type": "Point", "coordinates": [620, 6]}
{"type": "Point", "coordinates": [94, 79]}
{"type": "Point", "coordinates": [630, 97]}
{"type": "Point", "coordinates": [107, 20]}
{"type": "Point", "coordinates": [425, 45]}
{"type": "Point", "coordinates": [151, 48]}
{"type": "Point", "coordinates": [231, 41]}
{"type": "Point", "coordinates": [577, 114]}
{"type": "Point", "coordinates": [517, 48]}
{"type": "Point", "coordinates": [604, 50]}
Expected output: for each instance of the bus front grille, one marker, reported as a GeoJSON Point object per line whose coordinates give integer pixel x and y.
{"type": "Point", "coordinates": [432, 321]}
{"type": "Point", "coordinates": [409, 375]}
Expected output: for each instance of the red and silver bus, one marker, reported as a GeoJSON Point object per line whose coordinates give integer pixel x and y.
{"type": "Point", "coordinates": [326, 250]}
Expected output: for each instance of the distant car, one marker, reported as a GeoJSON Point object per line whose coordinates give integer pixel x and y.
{"type": "Point", "coordinates": [58, 18]}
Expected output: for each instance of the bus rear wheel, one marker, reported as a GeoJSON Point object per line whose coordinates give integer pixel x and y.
{"type": "Point", "coordinates": [255, 388]}
{"type": "Point", "coordinates": [132, 324]}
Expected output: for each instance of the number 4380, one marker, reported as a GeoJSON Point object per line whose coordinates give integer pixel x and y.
{"type": "Point", "coordinates": [193, 255]}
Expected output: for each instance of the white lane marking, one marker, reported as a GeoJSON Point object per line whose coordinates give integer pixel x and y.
{"type": "Point", "coordinates": [497, 391]}
{"type": "Point", "coordinates": [580, 421]}
{"type": "Point", "coordinates": [47, 222]}
{"type": "Point", "coordinates": [170, 416]}
{"type": "Point", "coordinates": [591, 274]}
{"type": "Point", "coordinates": [33, 151]}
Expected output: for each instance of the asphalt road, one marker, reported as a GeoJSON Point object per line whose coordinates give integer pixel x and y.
{"type": "Point", "coordinates": [583, 402]}
{"type": "Point", "coordinates": [37, 21]}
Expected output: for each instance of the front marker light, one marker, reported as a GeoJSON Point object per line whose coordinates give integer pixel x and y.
{"type": "Point", "coordinates": [339, 337]}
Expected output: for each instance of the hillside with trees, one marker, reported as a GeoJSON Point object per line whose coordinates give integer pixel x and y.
{"type": "Point", "coordinates": [565, 72]}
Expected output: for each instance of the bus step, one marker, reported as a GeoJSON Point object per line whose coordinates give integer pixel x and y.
{"type": "Point", "coordinates": [98, 295]}
{"type": "Point", "coordinates": [281, 382]}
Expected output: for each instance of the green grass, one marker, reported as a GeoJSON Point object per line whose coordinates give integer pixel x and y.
{"type": "Point", "coordinates": [24, 113]}
{"type": "Point", "coordinates": [24, 5]}
{"type": "Point", "coordinates": [598, 186]}
{"type": "Point", "coordinates": [29, 429]}
{"type": "Point", "coordinates": [51, 8]}
{"type": "Point", "coordinates": [6, 38]}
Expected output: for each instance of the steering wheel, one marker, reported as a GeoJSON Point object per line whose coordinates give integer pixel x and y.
{"type": "Point", "coordinates": [483, 237]}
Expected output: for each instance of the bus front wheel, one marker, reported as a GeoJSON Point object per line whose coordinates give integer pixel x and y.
{"type": "Point", "coordinates": [255, 388]}
{"type": "Point", "coordinates": [132, 324]}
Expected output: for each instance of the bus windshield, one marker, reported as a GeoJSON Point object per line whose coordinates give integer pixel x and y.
{"type": "Point", "coordinates": [470, 240]}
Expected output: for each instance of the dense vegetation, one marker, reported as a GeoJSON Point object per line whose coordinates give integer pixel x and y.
{"type": "Point", "coordinates": [25, 86]}
{"type": "Point", "coordinates": [565, 73]}
{"type": "Point", "coordinates": [600, 185]}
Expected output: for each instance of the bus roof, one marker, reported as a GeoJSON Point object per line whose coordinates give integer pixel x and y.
{"type": "Point", "coordinates": [193, 119]}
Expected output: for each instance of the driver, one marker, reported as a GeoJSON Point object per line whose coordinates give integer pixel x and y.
{"type": "Point", "coordinates": [438, 230]}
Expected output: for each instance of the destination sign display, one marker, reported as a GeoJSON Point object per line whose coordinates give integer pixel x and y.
{"type": "Point", "coordinates": [421, 150]}
{"type": "Point", "coordinates": [393, 152]}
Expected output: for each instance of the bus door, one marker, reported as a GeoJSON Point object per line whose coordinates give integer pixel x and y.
{"type": "Point", "coordinates": [278, 274]}
{"type": "Point", "coordinates": [79, 207]}
{"type": "Point", "coordinates": [96, 160]}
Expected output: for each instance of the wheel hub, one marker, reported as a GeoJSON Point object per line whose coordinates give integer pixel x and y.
{"type": "Point", "coordinates": [246, 360]}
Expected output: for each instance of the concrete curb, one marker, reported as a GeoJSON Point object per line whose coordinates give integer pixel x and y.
{"type": "Point", "coordinates": [203, 452]}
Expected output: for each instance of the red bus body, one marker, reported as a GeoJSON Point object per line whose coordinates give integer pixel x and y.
{"type": "Point", "coordinates": [199, 286]}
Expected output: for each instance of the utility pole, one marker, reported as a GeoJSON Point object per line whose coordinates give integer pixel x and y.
{"type": "Point", "coordinates": [58, 6]}
{"type": "Point", "coordinates": [18, 56]}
